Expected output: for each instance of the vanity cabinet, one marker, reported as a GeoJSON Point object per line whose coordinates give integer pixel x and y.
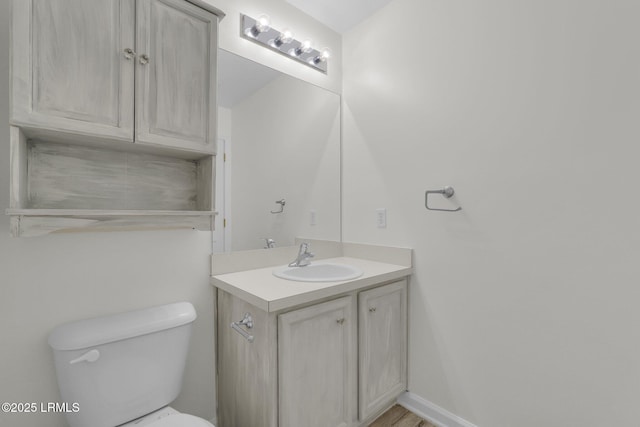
{"type": "Point", "coordinates": [113, 114]}
{"type": "Point", "coordinates": [338, 362]}
{"type": "Point", "coordinates": [84, 67]}
{"type": "Point", "coordinates": [317, 364]}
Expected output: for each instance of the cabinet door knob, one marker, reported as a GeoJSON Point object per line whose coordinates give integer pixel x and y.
{"type": "Point", "coordinates": [340, 321]}
{"type": "Point", "coordinates": [372, 309]}
{"type": "Point", "coordinates": [129, 53]}
{"type": "Point", "coordinates": [144, 59]}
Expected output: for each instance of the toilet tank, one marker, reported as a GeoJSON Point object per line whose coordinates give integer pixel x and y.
{"type": "Point", "coordinates": [120, 367]}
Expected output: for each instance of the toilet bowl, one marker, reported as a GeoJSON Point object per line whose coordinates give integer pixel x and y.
{"type": "Point", "coordinates": [125, 369]}
{"type": "Point", "coordinates": [168, 417]}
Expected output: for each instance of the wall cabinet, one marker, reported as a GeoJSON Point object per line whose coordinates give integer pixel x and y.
{"type": "Point", "coordinates": [113, 115]}
{"type": "Point", "coordinates": [69, 69]}
{"type": "Point", "coordinates": [335, 363]}
{"type": "Point", "coordinates": [175, 82]}
{"type": "Point", "coordinates": [85, 67]}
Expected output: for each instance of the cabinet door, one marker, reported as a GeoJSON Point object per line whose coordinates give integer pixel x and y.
{"type": "Point", "coordinates": [382, 346]}
{"type": "Point", "coordinates": [316, 365]}
{"type": "Point", "coordinates": [175, 77]}
{"type": "Point", "coordinates": [69, 68]}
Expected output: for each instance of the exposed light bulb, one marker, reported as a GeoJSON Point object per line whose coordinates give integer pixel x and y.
{"type": "Point", "coordinates": [326, 54]}
{"type": "Point", "coordinates": [305, 47]}
{"type": "Point", "coordinates": [285, 37]}
{"type": "Point", "coordinates": [262, 25]}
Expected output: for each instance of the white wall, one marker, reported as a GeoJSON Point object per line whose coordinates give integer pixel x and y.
{"type": "Point", "coordinates": [49, 280]}
{"type": "Point", "coordinates": [524, 305]}
{"type": "Point", "coordinates": [285, 144]}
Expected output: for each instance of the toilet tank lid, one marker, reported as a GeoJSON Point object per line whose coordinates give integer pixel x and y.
{"type": "Point", "coordinates": [101, 330]}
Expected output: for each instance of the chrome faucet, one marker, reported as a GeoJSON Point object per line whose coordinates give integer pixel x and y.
{"type": "Point", "coordinates": [303, 258]}
{"type": "Point", "coordinates": [270, 243]}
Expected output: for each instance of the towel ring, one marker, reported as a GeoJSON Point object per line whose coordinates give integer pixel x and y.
{"type": "Point", "coordinates": [447, 192]}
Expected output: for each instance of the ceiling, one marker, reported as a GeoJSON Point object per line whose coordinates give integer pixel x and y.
{"type": "Point", "coordinates": [339, 15]}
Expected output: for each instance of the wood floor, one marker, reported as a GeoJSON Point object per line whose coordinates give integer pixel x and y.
{"type": "Point", "coordinates": [398, 416]}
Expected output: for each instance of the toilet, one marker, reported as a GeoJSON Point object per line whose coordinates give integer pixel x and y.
{"type": "Point", "coordinates": [125, 369]}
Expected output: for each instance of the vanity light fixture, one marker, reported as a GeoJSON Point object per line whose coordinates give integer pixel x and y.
{"type": "Point", "coordinates": [260, 31]}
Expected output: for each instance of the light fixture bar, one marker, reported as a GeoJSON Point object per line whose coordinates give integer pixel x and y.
{"type": "Point", "coordinates": [283, 43]}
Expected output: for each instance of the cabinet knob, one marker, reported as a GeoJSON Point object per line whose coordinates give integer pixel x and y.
{"type": "Point", "coordinates": [129, 53]}
{"type": "Point", "coordinates": [340, 321]}
{"type": "Point", "coordinates": [144, 59]}
{"type": "Point", "coordinates": [372, 309]}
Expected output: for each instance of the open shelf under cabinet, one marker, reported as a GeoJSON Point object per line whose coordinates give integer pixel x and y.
{"type": "Point", "coordinates": [57, 187]}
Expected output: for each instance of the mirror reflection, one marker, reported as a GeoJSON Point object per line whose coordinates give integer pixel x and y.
{"type": "Point", "coordinates": [281, 140]}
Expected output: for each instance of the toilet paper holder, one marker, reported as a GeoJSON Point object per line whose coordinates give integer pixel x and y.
{"type": "Point", "coordinates": [247, 321]}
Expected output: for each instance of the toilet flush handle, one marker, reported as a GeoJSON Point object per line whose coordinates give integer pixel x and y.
{"type": "Point", "coordinates": [89, 356]}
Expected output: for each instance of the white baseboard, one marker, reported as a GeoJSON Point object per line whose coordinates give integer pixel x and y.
{"type": "Point", "coordinates": [431, 412]}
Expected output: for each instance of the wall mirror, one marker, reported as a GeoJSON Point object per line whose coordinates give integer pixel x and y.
{"type": "Point", "coordinates": [281, 137]}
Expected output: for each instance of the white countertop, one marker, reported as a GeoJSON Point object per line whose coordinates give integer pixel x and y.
{"type": "Point", "coordinates": [261, 288]}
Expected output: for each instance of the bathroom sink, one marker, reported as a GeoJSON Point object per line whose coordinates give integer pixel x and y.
{"type": "Point", "coordinates": [318, 272]}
